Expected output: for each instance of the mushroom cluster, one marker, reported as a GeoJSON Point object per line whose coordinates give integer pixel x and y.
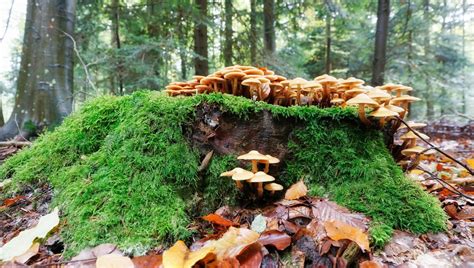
{"type": "Point", "coordinates": [409, 148]}
{"type": "Point", "coordinates": [255, 177]}
{"type": "Point", "coordinates": [387, 102]}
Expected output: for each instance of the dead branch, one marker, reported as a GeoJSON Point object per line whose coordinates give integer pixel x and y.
{"type": "Point", "coordinates": [15, 143]}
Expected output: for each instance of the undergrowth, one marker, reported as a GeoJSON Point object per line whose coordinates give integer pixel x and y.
{"type": "Point", "coordinates": [124, 173]}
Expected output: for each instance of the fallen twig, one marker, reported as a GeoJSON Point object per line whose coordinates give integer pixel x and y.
{"type": "Point", "coordinates": [15, 143]}
{"type": "Point", "coordinates": [436, 148]}
{"type": "Point", "coordinates": [453, 189]}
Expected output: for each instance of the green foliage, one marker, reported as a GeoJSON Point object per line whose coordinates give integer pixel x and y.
{"type": "Point", "coordinates": [123, 172]}
{"type": "Point", "coordinates": [352, 164]}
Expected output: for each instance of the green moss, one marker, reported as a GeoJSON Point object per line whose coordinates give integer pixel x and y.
{"type": "Point", "coordinates": [123, 172]}
{"type": "Point", "coordinates": [352, 164]}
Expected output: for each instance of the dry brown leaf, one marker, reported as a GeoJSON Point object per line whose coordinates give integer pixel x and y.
{"type": "Point", "coordinates": [338, 230]}
{"type": "Point", "coordinates": [233, 242]}
{"type": "Point", "coordinates": [370, 264]}
{"type": "Point", "coordinates": [324, 210]}
{"type": "Point", "coordinates": [114, 261]}
{"type": "Point", "coordinates": [179, 256]}
{"type": "Point", "coordinates": [148, 261]}
{"type": "Point", "coordinates": [279, 240]}
{"type": "Point", "coordinates": [296, 191]}
{"type": "Point", "coordinates": [470, 162]}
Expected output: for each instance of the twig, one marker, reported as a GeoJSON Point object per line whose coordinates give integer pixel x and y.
{"type": "Point", "coordinates": [436, 148]}
{"type": "Point", "coordinates": [15, 143]}
{"type": "Point", "coordinates": [8, 21]}
{"type": "Point", "coordinates": [453, 189]}
{"type": "Point", "coordinates": [84, 66]}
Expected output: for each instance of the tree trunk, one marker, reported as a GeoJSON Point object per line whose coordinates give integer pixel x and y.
{"type": "Point", "coordinates": [201, 64]}
{"type": "Point", "coordinates": [45, 82]}
{"type": "Point", "coordinates": [253, 32]}
{"type": "Point", "coordinates": [182, 37]}
{"type": "Point", "coordinates": [429, 90]}
{"type": "Point", "coordinates": [115, 19]}
{"type": "Point", "coordinates": [465, 85]}
{"type": "Point", "coordinates": [228, 33]}
{"type": "Point", "coordinates": [381, 34]}
{"type": "Point", "coordinates": [269, 26]}
{"type": "Point", "coordinates": [328, 43]}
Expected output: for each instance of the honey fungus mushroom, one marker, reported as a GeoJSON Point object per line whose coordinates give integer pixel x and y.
{"type": "Point", "coordinates": [273, 187]}
{"type": "Point", "coordinates": [362, 100]}
{"type": "Point", "coordinates": [383, 113]}
{"type": "Point", "coordinates": [270, 160]}
{"type": "Point", "coordinates": [259, 178]}
{"type": "Point", "coordinates": [238, 175]}
{"type": "Point", "coordinates": [255, 157]}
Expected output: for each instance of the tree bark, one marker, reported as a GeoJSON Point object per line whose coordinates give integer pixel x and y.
{"type": "Point", "coordinates": [182, 37]}
{"type": "Point", "coordinates": [328, 44]}
{"type": "Point", "coordinates": [269, 26]}
{"type": "Point", "coordinates": [429, 90]}
{"type": "Point", "coordinates": [381, 35]}
{"type": "Point", "coordinates": [253, 32]}
{"type": "Point", "coordinates": [201, 64]}
{"type": "Point", "coordinates": [115, 19]}
{"type": "Point", "coordinates": [228, 33]}
{"type": "Point", "coordinates": [44, 92]}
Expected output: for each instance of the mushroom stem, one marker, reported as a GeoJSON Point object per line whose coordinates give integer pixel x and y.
{"type": "Point", "coordinates": [260, 189]}
{"type": "Point", "coordinates": [405, 107]}
{"type": "Point", "coordinates": [362, 115]}
{"type": "Point", "coordinates": [382, 122]}
{"type": "Point", "coordinates": [267, 167]}
{"type": "Point", "coordinates": [412, 142]}
{"type": "Point", "coordinates": [298, 94]}
{"type": "Point", "coordinates": [234, 86]}
{"type": "Point", "coordinates": [254, 166]}
{"type": "Point", "coordinates": [239, 185]}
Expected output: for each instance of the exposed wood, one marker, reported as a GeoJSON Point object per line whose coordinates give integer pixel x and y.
{"type": "Point", "coordinates": [381, 35]}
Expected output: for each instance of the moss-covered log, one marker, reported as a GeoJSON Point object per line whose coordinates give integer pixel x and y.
{"type": "Point", "coordinates": [125, 169]}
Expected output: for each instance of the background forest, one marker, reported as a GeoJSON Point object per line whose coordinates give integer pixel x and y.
{"type": "Point", "coordinates": [120, 46]}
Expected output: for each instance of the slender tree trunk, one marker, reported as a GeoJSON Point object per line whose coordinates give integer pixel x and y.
{"type": "Point", "coordinates": [465, 85]}
{"type": "Point", "coordinates": [429, 90]}
{"type": "Point", "coordinates": [409, 42]}
{"type": "Point", "coordinates": [381, 34]}
{"type": "Point", "coordinates": [228, 33]}
{"type": "Point", "coordinates": [201, 64]}
{"type": "Point", "coordinates": [45, 83]}
{"type": "Point", "coordinates": [269, 26]}
{"type": "Point", "coordinates": [115, 18]}
{"type": "Point", "coordinates": [328, 44]}
{"type": "Point", "coordinates": [182, 37]}
{"type": "Point", "coordinates": [253, 32]}
{"type": "Point", "coordinates": [2, 119]}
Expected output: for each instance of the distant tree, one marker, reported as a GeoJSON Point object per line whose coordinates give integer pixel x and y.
{"type": "Point", "coordinates": [228, 33]}
{"type": "Point", "coordinates": [201, 64]}
{"type": "Point", "coordinates": [44, 92]}
{"type": "Point", "coordinates": [253, 31]}
{"type": "Point", "coordinates": [269, 26]}
{"type": "Point", "coordinates": [381, 34]}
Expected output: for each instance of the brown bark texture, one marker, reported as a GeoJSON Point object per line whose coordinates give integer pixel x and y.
{"type": "Point", "coordinates": [45, 82]}
{"type": "Point", "coordinates": [201, 64]}
{"type": "Point", "coordinates": [381, 35]}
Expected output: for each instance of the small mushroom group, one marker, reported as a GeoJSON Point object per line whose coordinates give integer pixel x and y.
{"type": "Point", "coordinates": [255, 176]}
{"type": "Point", "coordinates": [409, 147]}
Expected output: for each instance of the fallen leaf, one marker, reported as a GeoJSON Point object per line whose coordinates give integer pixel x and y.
{"type": "Point", "coordinates": [324, 210]}
{"type": "Point", "coordinates": [416, 172]}
{"type": "Point", "coordinates": [466, 213]}
{"type": "Point", "coordinates": [11, 201]}
{"type": "Point", "coordinates": [86, 258]}
{"type": "Point", "coordinates": [251, 256]}
{"type": "Point", "coordinates": [470, 162]}
{"type": "Point", "coordinates": [24, 240]}
{"type": "Point", "coordinates": [205, 161]}
{"type": "Point", "coordinates": [259, 223]}
{"type": "Point", "coordinates": [452, 211]}
{"type": "Point", "coordinates": [296, 191]}
{"type": "Point", "coordinates": [148, 261]}
{"type": "Point", "coordinates": [279, 240]}
{"type": "Point", "coordinates": [338, 230]}
{"type": "Point", "coordinates": [370, 264]}
{"type": "Point", "coordinates": [114, 261]}
{"type": "Point", "coordinates": [32, 251]}
{"type": "Point", "coordinates": [179, 256]}
{"type": "Point", "coordinates": [231, 244]}
{"type": "Point", "coordinates": [219, 220]}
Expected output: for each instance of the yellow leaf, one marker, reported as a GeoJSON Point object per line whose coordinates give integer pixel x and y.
{"type": "Point", "coordinates": [233, 242]}
{"type": "Point", "coordinates": [32, 251]}
{"type": "Point", "coordinates": [21, 243]}
{"type": "Point", "coordinates": [114, 261]}
{"type": "Point", "coordinates": [417, 172]}
{"type": "Point", "coordinates": [179, 256]}
{"type": "Point", "coordinates": [296, 191]}
{"type": "Point", "coordinates": [338, 230]}
{"type": "Point", "coordinates": [470, 162]}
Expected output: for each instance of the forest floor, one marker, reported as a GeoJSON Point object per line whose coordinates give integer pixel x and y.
{"type": "Point", "coordinates": [453, 248]}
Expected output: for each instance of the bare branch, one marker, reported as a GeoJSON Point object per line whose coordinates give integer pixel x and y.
{"type": "Point", "coordinates": [8, 21]}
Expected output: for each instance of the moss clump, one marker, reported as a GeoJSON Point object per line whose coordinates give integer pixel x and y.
{"type": "Point", "coordinates": [123, 172]}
